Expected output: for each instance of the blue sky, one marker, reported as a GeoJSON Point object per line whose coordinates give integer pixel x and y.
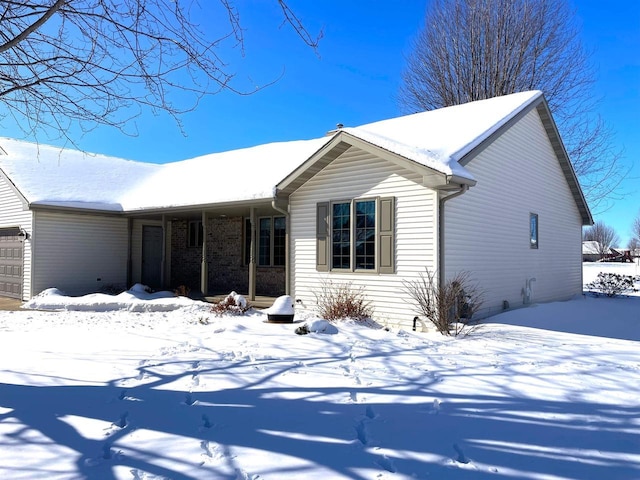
{"type": "Point", "coordinates": [354, 79]}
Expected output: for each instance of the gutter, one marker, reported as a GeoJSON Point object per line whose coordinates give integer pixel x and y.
{"type": "Point", "coordinates": [441, 239]}
{"type": "Point", "coordinates": [287, 266]}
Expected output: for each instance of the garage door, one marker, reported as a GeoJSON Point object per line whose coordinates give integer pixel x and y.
{"type": "Point", "coordinates": [11, 254]}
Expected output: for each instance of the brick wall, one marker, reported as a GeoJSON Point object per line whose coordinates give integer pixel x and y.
{"type": "Point", "coordinates": [225, 245]}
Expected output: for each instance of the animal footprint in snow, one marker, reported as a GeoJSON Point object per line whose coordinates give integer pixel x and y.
{"type": "Point", "coordinates": [386, 463]}
{"type": "Point", "coordinates": [189, 400]}
{"type": "Point", "coordinates": [206, 423]}
{"type": "Point", "coordinates": [461, 457]}
{"type": "Point", "coordinates": [369, 413]}
{"type": "Point", "coordinates": [361, 432]}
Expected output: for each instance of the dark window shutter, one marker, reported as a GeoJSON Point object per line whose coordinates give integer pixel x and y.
{"type": "Point", "coordinates": [322, 237]}
{"type": "Point", "coordinates": [386, 235]}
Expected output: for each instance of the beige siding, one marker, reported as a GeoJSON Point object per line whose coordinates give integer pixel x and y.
{"type": "Point", "coordinates": [14, 213]}
{"type": "Point", "coordinates": [487, 228]}
{"type": "Point", "coordinates": [357, 174]}
{"type": "Point", "coordinates": [79, 253]}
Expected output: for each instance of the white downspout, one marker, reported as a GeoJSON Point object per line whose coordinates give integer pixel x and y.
{"type": "Point", "coordinates": [287, 266]}
{"type": "Point", "coordinates": [441, 239]}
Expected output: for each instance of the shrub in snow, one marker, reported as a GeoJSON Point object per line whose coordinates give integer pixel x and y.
{"type": "Point", "coordinates": [339, 301]}
{"type": "Point", "coordinates": [233, 304]}
{"type": "Point", "coordinates": [181, 291]}
{"type": "Point", "coordinates": [611, 284]}
{"type": "Point", "coordinates": [449, 307]}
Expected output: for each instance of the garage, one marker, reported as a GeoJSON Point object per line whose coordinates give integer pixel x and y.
{"type": "Point", "coordinates": [11, 262]}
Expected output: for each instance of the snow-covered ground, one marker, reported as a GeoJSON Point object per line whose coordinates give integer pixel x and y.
{"type": "Point", "coordinates": [150, 388]}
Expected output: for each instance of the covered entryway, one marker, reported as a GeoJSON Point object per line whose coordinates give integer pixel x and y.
{"type": "Point", "coordinates": [11, 262]}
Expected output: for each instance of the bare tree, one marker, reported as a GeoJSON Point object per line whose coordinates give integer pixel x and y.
{"type": "Point", "coordinates": [82, 61]}
{"type": "Point", "coordinates": [604, 235]}
{"type": "Point", "coordinates": [475, 49]}
{"type": "Point", "coordinates": [634, 243]}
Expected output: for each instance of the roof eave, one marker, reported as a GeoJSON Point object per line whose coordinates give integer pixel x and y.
{"type": "Point", "coordinates": [340, 143]}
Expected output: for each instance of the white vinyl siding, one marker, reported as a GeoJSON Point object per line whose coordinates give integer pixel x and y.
{"type": "Point", "coordinates": [78, 253]}
{"type": "Point", "coordinates": [14, 214]}
{"type": "Point", "coordinates": [487, 230]}
{"type": "Point", "coordinates": [359, 175]}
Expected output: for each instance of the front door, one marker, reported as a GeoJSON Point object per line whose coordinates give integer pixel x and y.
{"type": "Point", "coordinates": [152, 256]}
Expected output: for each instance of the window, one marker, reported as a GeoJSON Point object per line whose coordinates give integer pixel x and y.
{"type": "Point", "coordinates": [195, 234]}
{"type": "Point", "coordinates": [341, 235]}
{"type": "Point", "coordinates": [533, 230]}
{"type": "Point", "coordinates": [264, 242]}
{"type": "Point", "coordinates": [271, 237]}
{"type": "Point", "coordinates": [356, 235]}
{"type": "Point", "coordinates": [279, 241]}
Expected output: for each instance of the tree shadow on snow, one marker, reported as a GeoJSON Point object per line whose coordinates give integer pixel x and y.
{"type": "Point", "coordinates": [343, 431]}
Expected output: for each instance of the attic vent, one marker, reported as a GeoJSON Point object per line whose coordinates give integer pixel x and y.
{"type": "Point", "coordinates": [339, 126]}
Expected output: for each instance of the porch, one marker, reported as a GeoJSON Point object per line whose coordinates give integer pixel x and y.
{"type": "Point", "coordinates": [211, 252]}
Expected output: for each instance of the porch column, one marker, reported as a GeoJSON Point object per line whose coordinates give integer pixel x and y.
{"type": "Point", "coordinates": [163, 262]}
{"type": "Point", "coordinates": [204, 269]}
{"type": "Point", "coordinates": [252, 256]}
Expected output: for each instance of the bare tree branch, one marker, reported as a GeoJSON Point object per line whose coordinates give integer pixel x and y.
{"type": "Point", "coordinates": [100, 62]}
{"type": "Point", "coordinates": [475, 49]}
{"type": "Point", "coordinates": [604, 235]}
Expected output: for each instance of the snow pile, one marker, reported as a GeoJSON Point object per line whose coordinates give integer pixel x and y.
{"type": "Point", "coordinates": [138, 298]}
{"type": "Point", "coordinates": [541, 392]}
{"type": "Point", "coordinates": [282, 305]}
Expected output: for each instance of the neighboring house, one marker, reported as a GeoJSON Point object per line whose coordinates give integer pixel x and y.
{"type": "Point", "coordinates": [485, 187]}
{"type": "Point", "coordinates": [591, 251]}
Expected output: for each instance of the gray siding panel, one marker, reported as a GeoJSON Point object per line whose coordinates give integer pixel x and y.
{"type": "Point", "coordinates": [78, 253]}
{"type": "Point", "coordinates": [487, 228]}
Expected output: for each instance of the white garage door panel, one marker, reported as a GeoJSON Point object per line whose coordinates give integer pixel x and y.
{"type": "Point", "coordinates": [11, 262]}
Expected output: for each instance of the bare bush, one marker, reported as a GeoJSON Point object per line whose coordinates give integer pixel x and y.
{"type": "Point", "coordinates": [232, 304]}
{"type": "Point", "coordinates": [339, 301]}
{"type": "Point", "coordinates": [611, 284]}
{"type": "Point", "coordinates": [451, 306]}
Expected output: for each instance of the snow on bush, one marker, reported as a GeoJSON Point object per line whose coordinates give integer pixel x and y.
{"type": "Point", "coordinates": [611, 284]}
{"type": "Point", "coordinates": [232, 304]}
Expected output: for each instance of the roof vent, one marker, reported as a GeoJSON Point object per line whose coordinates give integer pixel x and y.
{"type": "Point", "coordinates": [339, 127]}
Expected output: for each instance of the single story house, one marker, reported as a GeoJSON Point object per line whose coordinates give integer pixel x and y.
{"type": "Point", "coordinates": [484, 187]}
{"type": "Point", "coordinates": [591, 251]}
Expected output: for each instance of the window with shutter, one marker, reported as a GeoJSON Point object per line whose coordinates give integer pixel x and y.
{"type": "Point", "coordinates": [356, 235]}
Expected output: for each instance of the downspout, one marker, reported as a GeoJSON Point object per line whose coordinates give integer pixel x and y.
{"type": "Point", "coordinates": [441, 239]}
{"type": "Point", "coordinates": [287, 263]}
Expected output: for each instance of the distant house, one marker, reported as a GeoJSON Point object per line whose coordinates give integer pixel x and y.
{"type": "Point", "coordinates": [485, 187]}
{"type": "Point", "coordinates": [591, 251]}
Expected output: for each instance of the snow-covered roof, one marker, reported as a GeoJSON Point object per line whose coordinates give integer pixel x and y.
{"type": "Point", "coordinates": [436, 139]}
{"type": "Point", "coordinates": [591, 247]}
